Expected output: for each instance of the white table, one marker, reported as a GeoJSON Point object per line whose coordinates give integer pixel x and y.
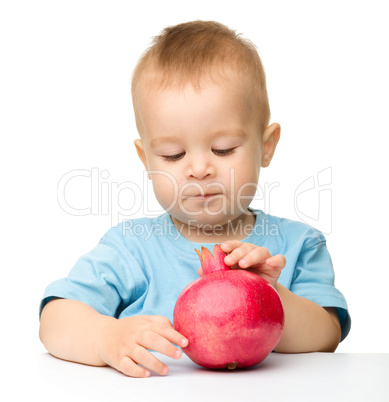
{"type": "Point", "coordinates": [300, 377]}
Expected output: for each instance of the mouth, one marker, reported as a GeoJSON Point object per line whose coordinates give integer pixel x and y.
{"type": "Point", "coordinates": [202, 197]}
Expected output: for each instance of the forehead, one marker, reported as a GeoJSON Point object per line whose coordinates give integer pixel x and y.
{"type": "Point", "coordinates": [210, 108]}
{"type": "Point", "coordinates": [218, 90]}
{"type": "Point", "coordinates": [154, 82]}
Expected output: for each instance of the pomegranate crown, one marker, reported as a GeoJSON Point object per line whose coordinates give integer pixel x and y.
{"type": "Point", "coordinates": [212, 263]}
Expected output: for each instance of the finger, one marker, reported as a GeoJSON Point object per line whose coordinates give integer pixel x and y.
{"type": "Point", "coordinates": [164, 327]}
{"type": "Point", "coordinates": [258, 255]}
{"type": "Point", "coordinates": [277, 261]}
{"type": "Point", "coordinates": [142, 356]}
{"type": "Point", "coordinates": [237, 254]}
{"type": "Point", "coordinates": [230, 245]}
{"type": "Point", "coordinates": [160, 319]}
{"type": "Point", "coordinates": [154, 341]}
{"type": "Point", "coordinates": [128, 367]}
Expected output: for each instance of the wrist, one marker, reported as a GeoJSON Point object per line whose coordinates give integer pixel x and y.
{"type": "Point", "coordinates": [106, 330]}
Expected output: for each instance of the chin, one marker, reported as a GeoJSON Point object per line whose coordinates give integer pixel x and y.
{"type": "Point", "coordinates": [207, 219]}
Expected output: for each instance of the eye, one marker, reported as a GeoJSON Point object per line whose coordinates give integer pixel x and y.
{"type": "Point", "coordinates": [223, 152]}
{"type": "Point", "coordinates": [173, 158]}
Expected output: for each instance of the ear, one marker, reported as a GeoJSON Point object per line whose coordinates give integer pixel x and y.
{"type": "Point", "coordinates": [140, 150]}
{"type": "Point", "coordinates": [270, 139]}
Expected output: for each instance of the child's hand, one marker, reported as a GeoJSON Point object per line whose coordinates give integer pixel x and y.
{"type": "Point", "coordinates": [253, 258]}
{"type": "Point", "coordinates": [125, 342]}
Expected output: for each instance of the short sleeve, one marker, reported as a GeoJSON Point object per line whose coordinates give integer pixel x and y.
{"type": "Point", "coordinates": [101, 278]}
{"type": "Point", "coordinates": [314, 280]}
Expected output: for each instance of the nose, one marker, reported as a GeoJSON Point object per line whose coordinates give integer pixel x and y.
{"type": "Point", "coordinates": [200, 167]}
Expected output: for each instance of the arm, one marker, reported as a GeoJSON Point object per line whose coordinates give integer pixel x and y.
{"type": "Point", "coordinates": [308, 327]}
{"type": "Point", "coordinates": [74, 331]}
{"type": "Point", "coordinates": [68, 330]}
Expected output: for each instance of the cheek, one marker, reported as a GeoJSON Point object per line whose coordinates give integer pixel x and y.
{"type": "Point", "coordinates": [165, 187]}
{"type": "Point", "coordinates": [163, 182]}
{"type": "Point", "coordinates": [246, 180]}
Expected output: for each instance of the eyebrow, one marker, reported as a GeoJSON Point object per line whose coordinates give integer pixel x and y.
{"type": "Point", "coordinates": [172, 139]}
{"type": "Point", "coordinates": [162, 140]}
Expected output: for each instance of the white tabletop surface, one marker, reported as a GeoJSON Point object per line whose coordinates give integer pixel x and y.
{"type": "Point", "coordinates": [300, 377]}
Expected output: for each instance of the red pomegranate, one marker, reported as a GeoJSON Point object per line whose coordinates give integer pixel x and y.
{"type": "Point", "coordinates": [231, 318]}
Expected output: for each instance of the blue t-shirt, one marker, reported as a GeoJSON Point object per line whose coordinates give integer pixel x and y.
{"type": "Point", "coordinates": [141, 266]}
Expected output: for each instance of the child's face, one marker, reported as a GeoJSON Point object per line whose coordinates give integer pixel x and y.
{"type": "Point", "coordinates": [203, 151]}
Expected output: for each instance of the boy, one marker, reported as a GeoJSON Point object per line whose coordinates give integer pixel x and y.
{"type": "Point", "coordinates": [202, 112]}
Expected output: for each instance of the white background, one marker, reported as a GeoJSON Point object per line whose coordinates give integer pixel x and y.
{"type": "Point", "coordinates": [65, 105]}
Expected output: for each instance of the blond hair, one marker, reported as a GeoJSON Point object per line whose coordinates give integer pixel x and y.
{"type": "Point", "coordinates": [188, 52]}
